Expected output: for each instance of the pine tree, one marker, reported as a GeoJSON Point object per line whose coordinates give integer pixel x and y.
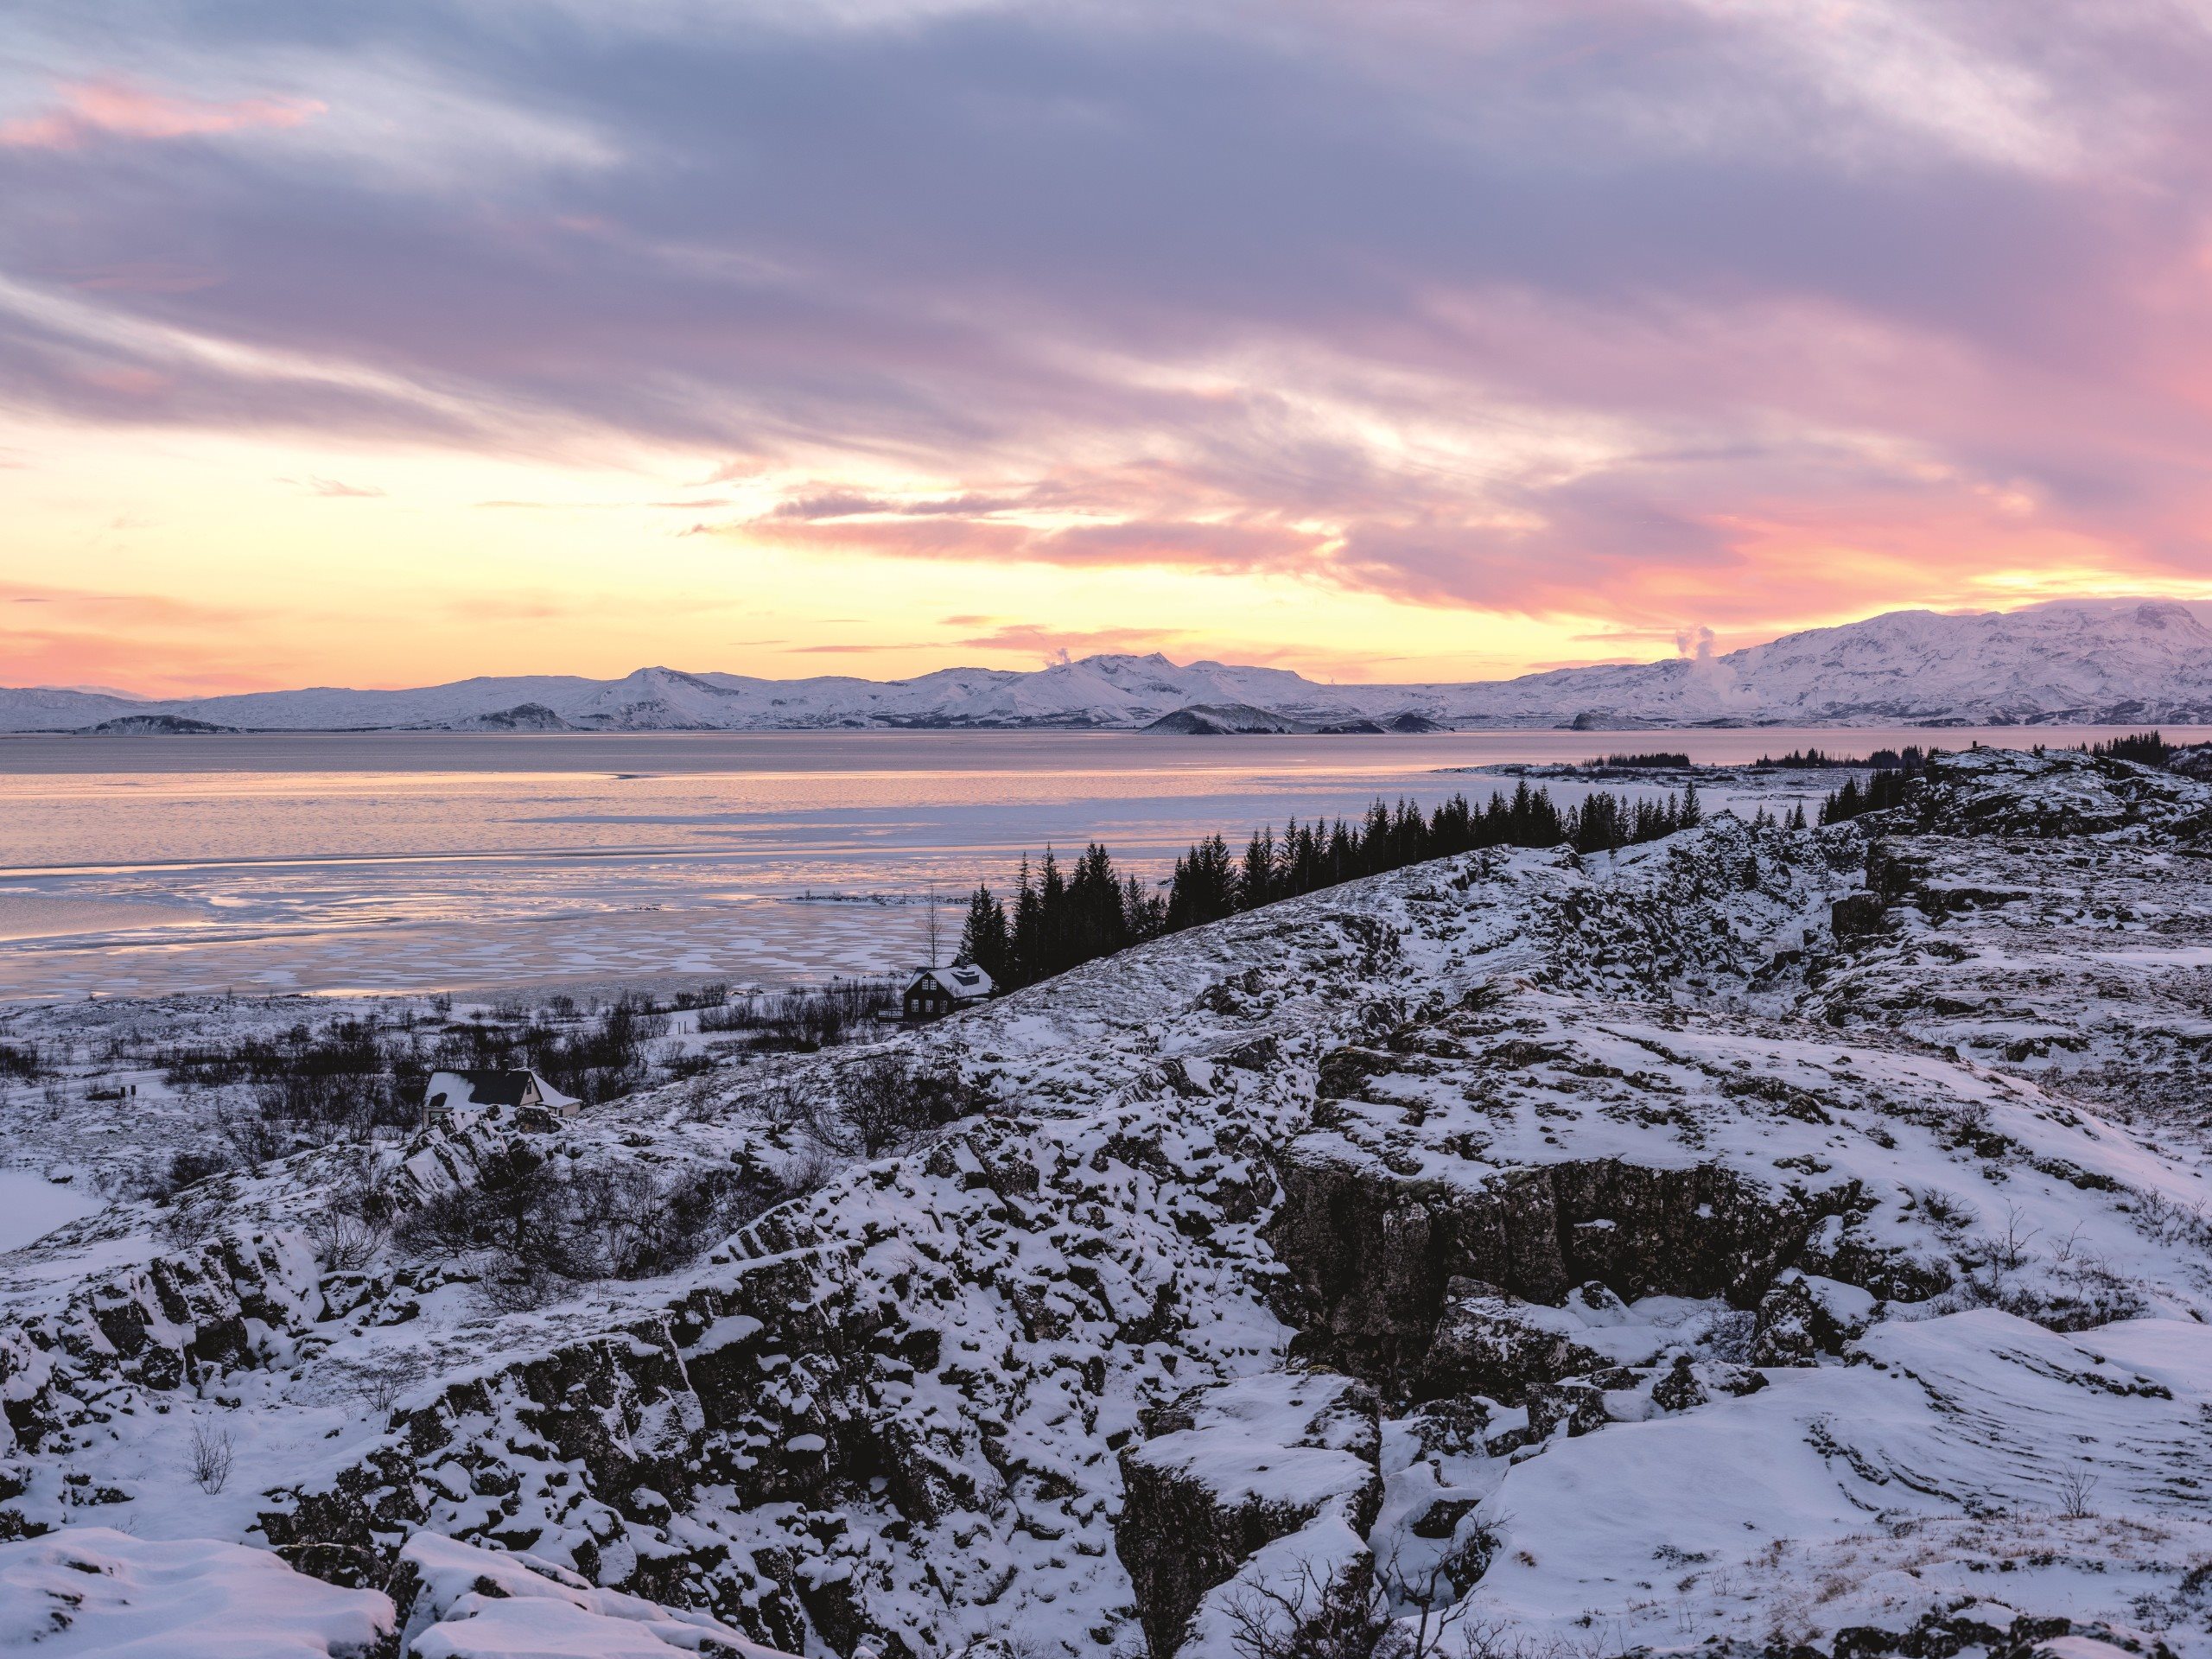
{"type": "Point", "coordinates": [983, 939]}
{"type": "Point", "coordinates": [1144, 914]}
{"type": "Point", "coordinates": [1255, 879]}
{"type": "Point", "coordinates": [1204, 885]}
{"type": "Point", "coordinates": [1025, 959]}
{"type": "Point", "coordinates": [1095, 924]}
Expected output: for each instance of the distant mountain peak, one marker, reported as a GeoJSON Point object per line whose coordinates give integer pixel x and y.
{"type": "Point", "coordinates": [2136, 661]}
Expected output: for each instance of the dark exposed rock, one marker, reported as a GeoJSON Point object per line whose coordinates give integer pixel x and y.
{"type": "Point", "coordinates": [1856, 915]}
{"type": "Point", "coordinates": [1372, 1254]}
{"type": "Point", "coordinates": [1487, 1343]}
{"type": "Point", "coordinates": [1797, 1324]}
{"type": "Point", "coordinates": [1577, 1402]}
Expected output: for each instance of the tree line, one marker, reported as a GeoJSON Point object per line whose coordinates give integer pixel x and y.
{"type": "Point", "coordinates": [1058, 918]}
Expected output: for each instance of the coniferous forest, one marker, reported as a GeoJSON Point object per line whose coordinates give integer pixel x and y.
{"type": "Point", "coordinates": [1056, 919]}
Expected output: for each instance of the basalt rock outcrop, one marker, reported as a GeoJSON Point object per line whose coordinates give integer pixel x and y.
{"type": "Point", "coordinates": [1374, 1255]}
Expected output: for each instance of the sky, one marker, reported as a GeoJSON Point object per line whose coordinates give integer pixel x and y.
{"type": "Point", "coordinates": [1397, 340]}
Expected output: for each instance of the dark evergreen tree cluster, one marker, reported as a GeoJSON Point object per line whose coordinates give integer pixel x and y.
{"type": "Point", "coordinates": [1883, 791]}
{"type": "Point", "coordinates": [2144, 748]}
{"type": "Point", "coordinates": [1911, 758]}
{"type": "Point", "coordinates": [1057, 920]}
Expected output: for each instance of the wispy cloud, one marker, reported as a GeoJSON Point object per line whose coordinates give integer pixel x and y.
{"type": "Point", "coordinates": [1726, 313]}
{"type": "Point", "coordinates": [85, 110]}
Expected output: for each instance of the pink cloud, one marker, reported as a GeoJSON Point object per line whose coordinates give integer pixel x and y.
{"type": "Point", "coordinates": [94, 108]}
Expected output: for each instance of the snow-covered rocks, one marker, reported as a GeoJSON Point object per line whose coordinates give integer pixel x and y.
{"type": "Point", "coordinates": [92, 1592]}
{"type": "Point", "coordinates": [1230, 1470]}
{"type": "Point", "coordinates": [2004, 792]}
{"type": "Point", "coordinates": [1971, 1455]}
{"type": "Point", "coordinates": [1599, 1245]}
{"type": "Point", "coordinates": [460, 1602]}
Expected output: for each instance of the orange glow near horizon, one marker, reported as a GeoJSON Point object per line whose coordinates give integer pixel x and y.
{"type": "Point", "coordinates": [392, 349]}
{"type": "Point", "coordinates": [178, 564]}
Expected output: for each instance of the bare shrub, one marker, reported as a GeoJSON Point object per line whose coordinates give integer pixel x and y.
{"type": "Point", "coordinates": [778, 1105]}
{"type": "Point", "coordinates": [2012, 1245]}
{"type": "Point", "coordinates": [806, 1019]}
{"type": "Point", "coordinates": [809, 1173]}
{"type": "Point", "coordinates": [532, 1224]}
{"type": "Point", "coordinates": [632, 1222]}
{"type": "Point", "coordinates": [379, 1382]}
{"type": "Point", "coordinates": [355, 1223]}
{"type": "Point", "coordinates": [1310, 1619]}
{"type": "Point", "coordinates": [188, 1226]}
{"type": "Point", "coordinates": [344, 1242]}
{"type": "Point", "coordinates": [1945, 1212]}
{"type": "Point", "coordinates": [212, 1453]}
{"type": "Point", "coordinates": [1358, 1617]}
{"type": "Point", "coordinates": [2076, 1488]}
{"type": "Point", "coordinates": [253, 1140]}
{"type": "Point", "coordinates": [885, 1102]}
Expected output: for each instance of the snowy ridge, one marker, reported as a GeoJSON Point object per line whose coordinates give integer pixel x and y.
{"type": "Point", "coordinates": [1754, 1241]}
{"type": "Point", "coordinates": [2066, 663]}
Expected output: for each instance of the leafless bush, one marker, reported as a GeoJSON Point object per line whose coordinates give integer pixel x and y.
{"type": "Point", "coordinates": [778, 1105]}
{"type": "Point", "coordinates": [1358, 1617]}
{"type": "Point", "coordinates": [185, 1226]}
{"type": "Point", "coordinates": [2170, 1221]}
{"type": "Point", "coordinates": [1311, 1618]}
{"type": "Point", "coordinates": [632, 1222]}
{"type": "Point", "coordinates": [1945, 1212]}
{"type": "Point", "coordinates": [212, 1453]}
{"type": "Point", "coordinates": [885, 1102]}
{"type": "Point", "coordinates": [809, 1173]}
{"type": "Point", "coordinates": [356, 1220]}
{"type": "Point", "coordinates": [531, 1223]}
{"type": "Point", "coordinates": [2075, 1487]}
{"type": "Point", "coordinates": [2012, 1245]}
{"type": "Point", "coordinates": [344, 1242]}
{"type": "Point", "coordinates": [806, 1019]}
{"type": "Point", "coordinates": [381, 1381]}
{"type": "Point", "coordinates": [252, 1137]}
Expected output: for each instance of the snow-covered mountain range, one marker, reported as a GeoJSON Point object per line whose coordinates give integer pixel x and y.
{"type": "Point", "coordinates": [2069, 662]}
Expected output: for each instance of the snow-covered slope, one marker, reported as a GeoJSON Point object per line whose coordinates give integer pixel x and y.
{"type": "Point", "coordinates": [1757, 1241]}
{"type": "Point", "coordinates": [2064, 662]}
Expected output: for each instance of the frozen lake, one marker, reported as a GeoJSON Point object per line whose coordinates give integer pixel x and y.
{"type": "Point", "coordinates": [137, 866]}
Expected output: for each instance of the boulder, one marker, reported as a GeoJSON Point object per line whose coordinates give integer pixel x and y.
{"type": "Point", "coordinates": [1500, 1347]}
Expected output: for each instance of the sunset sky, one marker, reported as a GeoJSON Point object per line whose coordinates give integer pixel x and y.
{"type": "Point", "coordinates": [1396, 339]}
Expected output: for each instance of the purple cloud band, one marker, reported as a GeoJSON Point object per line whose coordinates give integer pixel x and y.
{"type": "Point", "coordinates": [1663, 311]}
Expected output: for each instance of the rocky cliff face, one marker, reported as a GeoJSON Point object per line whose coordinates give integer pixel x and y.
{"type": "Point", "coordinates": [1553, 1245]}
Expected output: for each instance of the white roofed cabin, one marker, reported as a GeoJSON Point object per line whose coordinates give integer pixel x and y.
{"type": "Point", "coordinates": [935, 992]}
{"type": "Point", "coordinates": [523, 1093]}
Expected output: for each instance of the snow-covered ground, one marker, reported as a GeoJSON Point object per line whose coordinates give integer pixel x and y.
{"type": "Point", "coordinates": [1751, 1242]}
{"type": "Point", "coordinates": [32, 1206]}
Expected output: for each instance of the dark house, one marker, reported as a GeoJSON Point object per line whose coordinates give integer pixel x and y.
{"type": "Point", "coordinates": [934, 992]}
{"type": "Point", "coordinates": [518, 1091]}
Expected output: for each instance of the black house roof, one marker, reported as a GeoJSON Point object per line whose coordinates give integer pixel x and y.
{"type": "Point", "coordinates": [496, 1088]}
